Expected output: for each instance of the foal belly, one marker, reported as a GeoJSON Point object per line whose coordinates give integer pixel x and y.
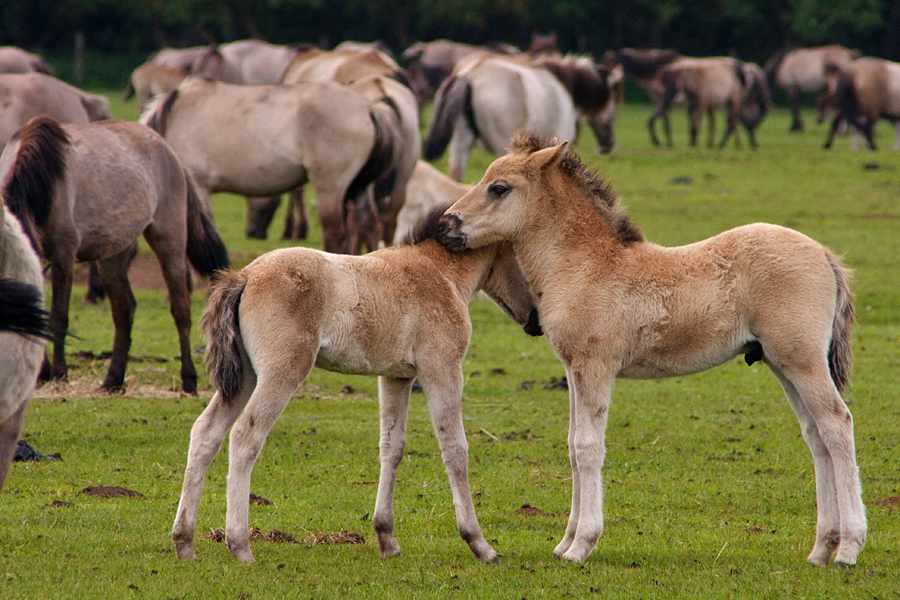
{"type": "Point", "coordinates": [658, 366]}
{"type": "Point", "coordinates": [355, 361]}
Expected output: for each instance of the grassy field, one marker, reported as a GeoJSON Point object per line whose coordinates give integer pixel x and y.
{"type": "Point", "coordinates": [709, 485]}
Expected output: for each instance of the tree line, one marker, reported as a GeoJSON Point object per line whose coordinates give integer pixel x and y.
{"type": "Point", "coordinates": [749, 29]}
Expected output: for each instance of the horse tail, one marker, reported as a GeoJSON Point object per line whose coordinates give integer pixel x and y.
{"type": "Point", "coordinates": [840, 359]}
{"type": "Point", "coordinates": [399, 75]}
{"type": "Point", "coordinates": [205, 249]}
{"type": "Point", "coordinates": [40, 166]}
{"type": "Point", "coordinates": [96, 107]}
{"type": "Point", "coordinates": [220, 326]}
{"type": "Point", "coordinates": [381, 157]}
{"type": "Point", "coordinates": [453, 98]}
{"type": "Point", "coordinates": [773, 65]}
{"type": "Point", "coordinates": [585, 81]}
{"type": "Point", "coordinates": [156, 115]}
{"type": "Point", "coordinates": [129, 91]}
{"type": "Point", "coordinates": [22, 310]}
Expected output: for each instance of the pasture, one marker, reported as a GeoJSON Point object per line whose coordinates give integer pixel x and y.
{"type": "Point", "coordinates": [709, 487]}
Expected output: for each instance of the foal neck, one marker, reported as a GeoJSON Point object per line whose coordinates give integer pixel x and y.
{"type": "Point", "coordinates": [466, 271]}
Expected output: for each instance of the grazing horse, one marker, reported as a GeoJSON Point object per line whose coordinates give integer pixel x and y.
{"type": "Point", "coordinates": [864, 91]}
{"type": "Point", "coordinates": [594, 89]}
{"type": "Point", "coordinates": [85, 192]}
{"type": "Point", "coordinates": [427, 189]}
{"type": "Point", "coordinates": [614, 305]}
{"type": "Point", "coordinates": [706, 84]}
{"type": "Point", "coordinates": [492, 98]}
{"type": "Point", "coordinates": [802, 71]}
{"type": "Point", "coordinates": [16, 60]}
{"type": "Point", "coordinates": [264, 140]}
{"type": "Point", "coordinates": [24, 325]}
{"type": "Point", "coordinates": [399, 313]}
{"type": "Point", "coordinates": [28, 95]}
{"type": "Point", "coordinates": [430, 63]}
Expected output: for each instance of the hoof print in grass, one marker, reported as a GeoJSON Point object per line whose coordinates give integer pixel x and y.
{"type": "Point", "coordinates": [105, 491]}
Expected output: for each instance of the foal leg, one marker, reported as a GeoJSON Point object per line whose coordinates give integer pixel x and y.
{"type": "Point", "coordinates": [593, 383]}
{"type": "Point", "coordinates": [9, 437]}
{"type": "Point", "coordinates": [444, 392]}
{"type": "Point", "coordinates": [572, 526]}
{"type": "Point", "coordinates": [393, 395]}
{"type": "Point", "coordinates": [207, 434]}
{"type": "Point", "coordinates": [114, 276]}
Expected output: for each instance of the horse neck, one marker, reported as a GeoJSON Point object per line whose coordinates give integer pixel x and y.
{"type": "Point", "coordinates": [466, 271]}
{"type": "Point", "coordinates": [548, 248]}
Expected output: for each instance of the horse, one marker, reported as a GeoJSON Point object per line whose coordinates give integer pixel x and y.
{"type": "Point", "coordinates": [615, 305]}
{"type": "Point", "coordinates": [27, 95]}
{"type": "Point", "coordinates": [594, 89]}
{"type": "Point", "coordinates": [864, 91]}
{"type": "Point", "coordinates": [265, 140]}
{"type": "Point", "coordinates": [641, 66]}
{"type": "Point", "coordinates": [802, 71]}
{"type": "Point", "coordinates": [374, 74]}
{"type": "Point", "coordinates": [16, 60]}
{"type": "Point", "coordinates": [152, 79]}
{"type": "Point", "coordinates": [245, 62]}
{"type": "Point", "coordinates": [492, 98]}
{"type": "Point", "coordinates": [399, 313]}
{"type": "Point", "coordinates": [708, 83]}
{"type": "Point", "coordinates": [427, 188]}
{"type": "Point", "coordinates": [430, 63]}
{"type": "Point", "coordinates": [24, 327]}
{"type": "Point", "coordinates": [85, 192]}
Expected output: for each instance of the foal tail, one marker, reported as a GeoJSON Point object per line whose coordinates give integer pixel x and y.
{"type": "Point", "coordinates": [224, 362]}
{"type": "Point", "coordinates": [453, 98]}
{"type": "Point", "coordinates": [205, 249]}
{"type": "Point", "coordinates": [40, 166]}
{"type": "Point", "coordinates": [839, 357]}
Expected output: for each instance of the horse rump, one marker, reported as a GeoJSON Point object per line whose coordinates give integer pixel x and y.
{"type": "Point", "coordinates": [224, 360]}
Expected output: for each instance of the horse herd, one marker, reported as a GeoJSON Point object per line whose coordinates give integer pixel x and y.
{"type": "Point", "coordinates": [541, 235]}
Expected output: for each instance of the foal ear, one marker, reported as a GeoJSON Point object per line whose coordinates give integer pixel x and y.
{"type": "Point", "coordinates": [548, 157]}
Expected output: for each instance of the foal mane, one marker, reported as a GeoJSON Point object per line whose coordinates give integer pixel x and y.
{"type": "Point", "coordinates": [40, 165]}
{"type": "Point", "coordinates": [427, 228]}
{"type": "Point", "coordinates": [594, 188]}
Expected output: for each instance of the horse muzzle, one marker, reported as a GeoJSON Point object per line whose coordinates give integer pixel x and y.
{"type": "Point", "coordinates": [449, 235]}
{"type": "Point", "coordinates": [533, 326]}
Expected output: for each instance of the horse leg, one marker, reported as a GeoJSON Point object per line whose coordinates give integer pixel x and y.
{"type": "Point", "coordinates": [259, 214]}
{"type": "Point", "coordinates": [572, 525]}
{"type": "Point", "coordinates": [332, 215]}
{"type": "Point", "coordinates": [869, 131]}
{"type": "Point", "coordinates": [794, 98]}
{"type": "Point", "coordinates": [296, 226]}
{"type": "Point", "coordinates": [207, 434]}
{"type": "Point", "coordinates": [835, 123]}
{"type": "Point", "coordinates": [274, 389]}
{"type": "Point", "coordinates": [593, 383]}
{"type": "Point", "coordinates": [171, 255]}
{"type": "Point", "coordinates": [460, 145]}
{"type": "Point", "coordinates": [114, 276]}
{"type": "Point", "coordinates": [95, 292]}
{"type": "Point", "coordinates": [9, 437]}
{"type": "Point", "coordinates": [61, 272]}
{"type": "Point", "coordinates": [393, 396]}
{"type": "Point", "coordinates": [694, 116]}
{"type": "Point", "coordinates": [896, 136]}
{"type": "Point", "coordinates": [444, 392]}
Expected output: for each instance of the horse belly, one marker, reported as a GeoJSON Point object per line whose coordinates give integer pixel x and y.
{"type": "Point", "coordinates": [660, 365]}
{"type": "Point", "coordinates": [342, 350]}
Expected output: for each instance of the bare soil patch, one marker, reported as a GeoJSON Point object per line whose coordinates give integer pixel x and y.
{"type": "Point", "coordinates": [105, 491]}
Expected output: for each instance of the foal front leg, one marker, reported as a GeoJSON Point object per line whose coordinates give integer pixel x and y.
{"type": "Point", "coordinates": [445, 405]}
{"type": "Point", "coordinates": [393, 395]}
{"type": "Point", "coordinates": [592, 383]}
{"type": "Point", "coordinates": [572, 525]}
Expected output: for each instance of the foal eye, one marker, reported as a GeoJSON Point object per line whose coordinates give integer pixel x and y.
{"type": "Point", "coordinates": [498, 188]}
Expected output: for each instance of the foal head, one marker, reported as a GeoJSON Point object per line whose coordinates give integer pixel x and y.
{"type": "Point", "coordinates": [531, 183]}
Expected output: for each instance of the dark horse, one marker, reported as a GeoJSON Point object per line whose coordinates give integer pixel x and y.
{"type": "Point", "coordinates": [85, 192]}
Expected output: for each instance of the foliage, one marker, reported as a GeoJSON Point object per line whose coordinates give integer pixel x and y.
{"type": "Point", "coordinates": [709, 485]}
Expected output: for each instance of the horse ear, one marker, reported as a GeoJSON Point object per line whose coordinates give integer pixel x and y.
{"type": "Point", "coordinates": [548, 157]}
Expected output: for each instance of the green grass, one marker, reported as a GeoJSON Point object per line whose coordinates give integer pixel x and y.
{"type": "Point", "coordinates": [709, 486]}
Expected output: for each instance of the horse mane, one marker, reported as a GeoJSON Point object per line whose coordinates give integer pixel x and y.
{"type": "Point", "coordinates": [582, 78]}
{"type": "Point", "coordinates": [427, 228]}
{"type": "Point", "coordinates": [645, 63]}
{"type": "Point", "coordinates": [596, 190]}
{"type": "Point", "coordinates": [40, 166]}
{"type": "Point", "coordinates": [156, 115]}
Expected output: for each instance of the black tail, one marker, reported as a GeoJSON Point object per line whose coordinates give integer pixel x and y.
{"type": "Point", "coordinates": [205, 249]}
{"type": "Point", "coordinates": [380, 159]}
{"type": "Point", "coordinates": [40, 166]}
{"type": "Point", "coordinates": [157, 114]}
{"type": "Point", "coordinates": [22, 310]}
{"type": "Point", "coordinates": [453, 98]}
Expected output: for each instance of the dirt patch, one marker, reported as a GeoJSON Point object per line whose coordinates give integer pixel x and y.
{"type": "Point", "coordinates": [144, 274]}
{"type": "Point", "coordinates": [530, 511]}
{"type": "Point", "coordinates": [892, 501]}
{"type": "Point", "coordinates": [88, 385]}
{"type": "Point", "coordinates": [342, 537]}
{"type": "Point", "coordinates": [105, 491]}
{"type": "Point", "coordinates": [59, 504]}
{"type": "Point", "coordinates": [259, 500]}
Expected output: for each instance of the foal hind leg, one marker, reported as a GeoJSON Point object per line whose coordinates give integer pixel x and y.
{"type": "Point", "coordinates": [114, 276]}
{"type": "Point", "coordinates": [393, 397]}
{"type": "Point", "coordinates": [207, 434]}
{"type": "Point", "coordinates": [444, 392]}
{"type": "Point", "coordinates": [9, 437]}
{"type": "Point", "coordinates": [828, 430]}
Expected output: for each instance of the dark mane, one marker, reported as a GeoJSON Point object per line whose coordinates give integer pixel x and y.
{"type": "Point", "coordinates": [427, 228]}
{"type": "Point", "coordinates": [584, 80]}
{"type": "Point", "coordinates": [645, 63]}
{"type": "Point", "coordinates": [595, 189]}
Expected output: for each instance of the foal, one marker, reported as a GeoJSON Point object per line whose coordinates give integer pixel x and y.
{"type": "Point", "coordinates": [399, 313]}
{"type": "Point", "coordinates": [613, 305]}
